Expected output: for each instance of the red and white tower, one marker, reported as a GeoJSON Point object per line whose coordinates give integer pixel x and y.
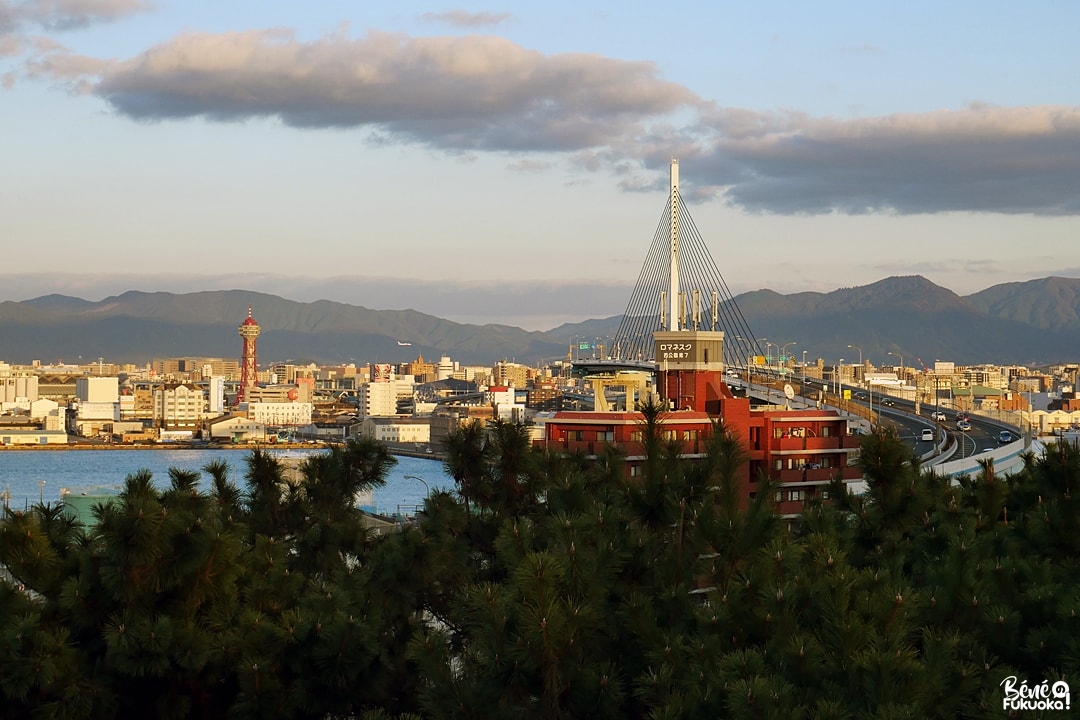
{"type": "Point", "coordinates": [249, 366]}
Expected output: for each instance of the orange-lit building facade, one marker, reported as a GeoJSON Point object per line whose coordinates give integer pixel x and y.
{"type": "Point", "coordinates": [801, 450]}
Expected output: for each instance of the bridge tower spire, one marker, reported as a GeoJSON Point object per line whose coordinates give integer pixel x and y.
{"type": "Point", "coordinates": [674, 311]}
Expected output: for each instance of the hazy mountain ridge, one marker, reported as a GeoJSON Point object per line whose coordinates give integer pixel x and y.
{"type": "Point", "coordinates": [914, 319]}
{"type": "Point", "coordinates": [1051, 303]}
{"type": "Point", "coordinates": [910, 317]}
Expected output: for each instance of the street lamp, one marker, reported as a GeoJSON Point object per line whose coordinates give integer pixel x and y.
{"type": "Point", "coordinates": [427, 490]}
{"type": "Point", "coordinates": [856, 347]}
{"type": "Point", "coordinates": [804, 367]}
{"type": "Point", "coordinates": [783, 351]}
{"type": "Point", "coordinates": [41, 492]}
{"type": "Point", "coordinates": [839, 373]}
{"type": "Point", "coordinates": [901, 364]}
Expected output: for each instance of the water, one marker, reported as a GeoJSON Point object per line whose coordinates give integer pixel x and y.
{"type": "Point", "coordinates": [22, 471]}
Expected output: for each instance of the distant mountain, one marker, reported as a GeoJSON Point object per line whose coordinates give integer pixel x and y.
{"type": "Point", "coordinates": [910, 317]}
{"type": "Point", "coordinates": [138, 326]}
{"type": "Point", "coordinates": [1051, 303]}
{"type": "Point", "coordinates": [1033, 322]}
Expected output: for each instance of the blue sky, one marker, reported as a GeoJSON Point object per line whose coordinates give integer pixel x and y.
{"type": "Point", "coordinates": [508, 162]}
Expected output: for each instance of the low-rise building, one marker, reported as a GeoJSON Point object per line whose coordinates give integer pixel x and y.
{"type": "Point", "coordinates": [237, 429]}
{"type": "Point", "coordinates": [396, 430]}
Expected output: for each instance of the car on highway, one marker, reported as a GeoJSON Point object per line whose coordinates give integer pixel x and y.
{"type": "Point", "coordinates": [1005, 437]}
{"type": "Point", "coordinates": [890, 403]}
{"type": "Point", "coordinates": [963, 425]}
{"type": "Point", "coordinates": [938, 415]}
{"type": "Point", "coordinates": [928, 434]}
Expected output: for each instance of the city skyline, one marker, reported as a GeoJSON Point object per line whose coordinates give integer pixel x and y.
{"type": "Point", "coordinates": [521, 152]}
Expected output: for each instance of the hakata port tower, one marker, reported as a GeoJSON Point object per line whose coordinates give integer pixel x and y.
{"type": "Point", "coordinates": [249, 364]}
{"type": "Point", "coordinates": [669, 348]}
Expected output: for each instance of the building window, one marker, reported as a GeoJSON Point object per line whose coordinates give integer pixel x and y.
{"type": "Point", "coordinates": [778, 464]}
{"type": "Point", "coordinates": [579, 435]}
{"type": "Point", "coordinates": [778, 496]}
{"type": "Point", "coordinates": [635, 471]}
{"type": "Point", "coordinates": [778, 432]}
{"type": "Point", "coordinates": [797, 495]}
{"type": "Point", "coordinates": [825, 431]}
{"type": "Point", "coordinates": [636, 436]}
{"type": "Point", "coordinates": [609, 436]}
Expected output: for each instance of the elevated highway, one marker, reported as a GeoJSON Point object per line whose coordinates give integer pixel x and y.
{"type": "Point", "coordinates": [952, 452]}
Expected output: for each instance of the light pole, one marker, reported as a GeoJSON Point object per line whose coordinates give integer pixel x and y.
{"type": "Point", "coordinates": [804, 367]}
{"type": "Point", "coordinates": [902, 381]}
{"type": "Point", "coordinates": [427, 490]}
{"type": "Point", "coordinates": [41, 492]}
{"type": "Point", "coordinates": [856, 347]}
{"type": "Point", "coordinates": [839, 374]}
{"type": "Point", "coordinates": [783, 352]}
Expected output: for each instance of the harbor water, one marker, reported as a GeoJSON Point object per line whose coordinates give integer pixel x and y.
{"type": "Point", "coordinates": [27, 476]}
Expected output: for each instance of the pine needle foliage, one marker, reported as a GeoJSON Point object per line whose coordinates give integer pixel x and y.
{"type": "Point", "coordinates": [546, 586]}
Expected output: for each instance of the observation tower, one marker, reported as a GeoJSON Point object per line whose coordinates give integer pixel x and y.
{"type": "Point", "coordinates": [249, 330]}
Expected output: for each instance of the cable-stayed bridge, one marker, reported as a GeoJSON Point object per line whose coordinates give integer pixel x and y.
{"type": "Point", "coordinates": [680, 287]}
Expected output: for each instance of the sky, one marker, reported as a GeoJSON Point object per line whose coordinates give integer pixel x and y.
{"type": "Point", "coordinates": [508, 162]}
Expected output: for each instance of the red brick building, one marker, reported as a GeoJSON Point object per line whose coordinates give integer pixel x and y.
{"type": "Point", "coordinates": [800, 449]}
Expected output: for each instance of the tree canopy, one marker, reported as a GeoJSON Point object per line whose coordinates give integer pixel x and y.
{"type": "Point", "coordinates": [546, 586]}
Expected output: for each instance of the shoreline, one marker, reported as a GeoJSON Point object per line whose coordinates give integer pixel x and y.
{"type": "Point", "coordinates": [80, 447]}
{"type": "Point", "coordinates": [161, 446]}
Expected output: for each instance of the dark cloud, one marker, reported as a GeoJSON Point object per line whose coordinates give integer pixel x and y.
{"type": "Point", "coordinates": [980, 159]}
{"type": "Point", "coordinates": [462, 18]}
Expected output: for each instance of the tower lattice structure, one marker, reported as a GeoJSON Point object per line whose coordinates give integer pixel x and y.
{"type": "Point", "coordinates": [249, 330]}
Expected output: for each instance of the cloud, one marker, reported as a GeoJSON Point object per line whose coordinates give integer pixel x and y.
{"type": "Point", "coordinates": [64, 14]}
{"type": "Point", "coordinates": [462, 18]}
{"type": "Point", "coordinates": [480, 93]}
{"type": "Point", "coordinates": [454, 93]}
{"type": "Point", "coordinates": [979, 159]}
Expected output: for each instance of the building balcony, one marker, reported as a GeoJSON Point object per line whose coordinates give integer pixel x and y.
{"type": "Point", "coordinates": [806, 475]}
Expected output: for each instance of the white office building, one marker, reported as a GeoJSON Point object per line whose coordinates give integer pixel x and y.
{"type": "Point", "coordinates": [279, 414]}
{"type": "Point", "coordinates": [179, 407]}
{"type": "Point", "coordinates": [377, 399]}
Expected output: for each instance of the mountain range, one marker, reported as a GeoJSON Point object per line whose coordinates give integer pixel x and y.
{"type": "Point", "coordinates": [1033, 323]}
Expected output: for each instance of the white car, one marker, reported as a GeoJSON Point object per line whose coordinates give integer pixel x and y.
{"type": "Point", "coordinates": [938, 415]}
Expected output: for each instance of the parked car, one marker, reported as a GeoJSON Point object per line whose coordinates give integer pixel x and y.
{"type": "Point", "coordinates": [938, 415]}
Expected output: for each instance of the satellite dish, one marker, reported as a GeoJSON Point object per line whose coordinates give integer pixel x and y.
{"type": "Point", "coordinates": [789, 391]}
